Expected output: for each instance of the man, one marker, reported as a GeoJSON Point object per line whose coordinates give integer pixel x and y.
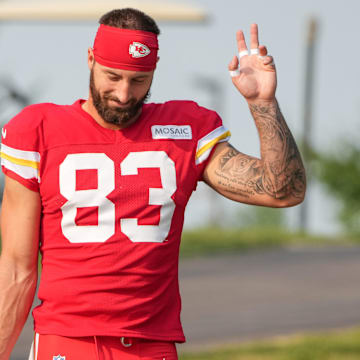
{"type": "Point", "coordinates": [102, 186]}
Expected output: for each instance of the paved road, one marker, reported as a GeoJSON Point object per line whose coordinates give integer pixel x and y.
{"type": "Point", "coordinates": [236, 297]}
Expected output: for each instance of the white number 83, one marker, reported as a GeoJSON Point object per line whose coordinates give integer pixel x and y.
{"type": "Point", "coordinates": [106, 208]}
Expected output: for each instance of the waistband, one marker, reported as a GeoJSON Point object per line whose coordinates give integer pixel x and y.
{"type": "Point", "coordinates": [104, 347]}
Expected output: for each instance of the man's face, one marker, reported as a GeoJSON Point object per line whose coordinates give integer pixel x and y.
{"type": "Point", "coordinates": [118, 95]}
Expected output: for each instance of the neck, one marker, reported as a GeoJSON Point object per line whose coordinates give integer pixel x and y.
{"type": "Point", "coordinates": [89, 107]}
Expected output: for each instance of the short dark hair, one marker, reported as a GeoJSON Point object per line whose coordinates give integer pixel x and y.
{"type": "Point", "coordinates": [129, 18]}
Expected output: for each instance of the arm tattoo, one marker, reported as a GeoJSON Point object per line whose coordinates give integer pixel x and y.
{"type": "Point", "coordinates": [279, 173]}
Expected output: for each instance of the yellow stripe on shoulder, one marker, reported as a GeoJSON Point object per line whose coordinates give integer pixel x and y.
{"type": "Point", "coordinates": [17, 161]}
{"type": "Point", "coordinates": [212, 143]}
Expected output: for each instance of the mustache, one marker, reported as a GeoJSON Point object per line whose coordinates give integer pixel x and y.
{"type": "Point", "coordinates": [129, 103]}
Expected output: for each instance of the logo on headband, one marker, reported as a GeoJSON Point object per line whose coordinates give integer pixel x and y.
{"type": "Point", "coordinates": [138, 50]}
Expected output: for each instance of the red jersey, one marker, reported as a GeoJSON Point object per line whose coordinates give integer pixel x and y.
{"type": "Point", "coordinates": [113, 206]}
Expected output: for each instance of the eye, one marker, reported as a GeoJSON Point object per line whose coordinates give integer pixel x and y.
{"type": "Point", "coordinates": [113, 78]}
{"type": "Point", "coordinates": [138, 80]}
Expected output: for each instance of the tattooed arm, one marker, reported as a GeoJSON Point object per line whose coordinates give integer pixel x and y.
{"type": "Point", "coordinates": [276, 180]}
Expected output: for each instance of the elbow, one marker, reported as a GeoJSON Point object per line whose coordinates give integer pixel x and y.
{"type": "Point", "coordinates": [298, 193]}
{"type": "Point", "coordinates": [19, 275]}
{"type": "Point", "coordinates": [293, 194]}
{"type": "Point", "coordinates": [25, 284]}
{"type": "Point", "coordinates": [295, 201]}
{"type": "Point", "coordinates": [291, 200]}
{"type": "Point", "coordinates": [26, 277]}
{"type": "Point", "coordinates": [29, 278]}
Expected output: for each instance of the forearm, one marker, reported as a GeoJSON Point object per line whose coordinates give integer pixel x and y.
{"type": "Point", "coordinates": [17, 293]}
{"type": "Point", "coordinates": [277, 179]}
{"type": "Point", "coordinates": [282, 170]}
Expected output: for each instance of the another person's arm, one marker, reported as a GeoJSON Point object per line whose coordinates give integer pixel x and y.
{"type": "Point", "coordinates": [20, 219]}
{"type": "Point", "coordinates": [277, 179]}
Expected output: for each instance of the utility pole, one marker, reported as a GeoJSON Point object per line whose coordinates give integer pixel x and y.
{"type": "Point", "coordinates": [311, 42]}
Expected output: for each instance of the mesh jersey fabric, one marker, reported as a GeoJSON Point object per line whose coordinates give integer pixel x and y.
{"type": "Point", "coordinates": [113, 206]}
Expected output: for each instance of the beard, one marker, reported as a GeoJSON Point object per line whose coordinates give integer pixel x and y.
{"type": "Point", "coordinates": [115, 115]}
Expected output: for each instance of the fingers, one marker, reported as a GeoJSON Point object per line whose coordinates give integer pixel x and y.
{"type": "Point", "coordinates": [254, 36]}
{"type": "Point", "coordinates": [268, 60]}
{"type": "Point", "coordinates": [264, 56]}
{"type": "Point", "coordinates": [234, 67]}
{"type": "Point", "coordinates": [234, 63]}
{"type": "Point", "coordinates": [255, 49]}
{"type": "Point", "coordinates": [254, 41]}
{"type": "Point", "coordinates": [262, 50]}
{"type": "Point", "coordinates": [240, 38]}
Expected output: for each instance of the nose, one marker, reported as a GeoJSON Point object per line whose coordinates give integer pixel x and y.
{"type": "Point", "coordinates": [123, 92]}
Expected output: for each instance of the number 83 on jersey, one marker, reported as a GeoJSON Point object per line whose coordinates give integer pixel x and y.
{"type": "Point", "coordinates": [106, 208]}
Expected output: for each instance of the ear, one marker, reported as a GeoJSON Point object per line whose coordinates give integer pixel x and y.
{"type": "Point", "coordinates": [157, 59]}
{"type": "Point", "coordinates": [91, 58]}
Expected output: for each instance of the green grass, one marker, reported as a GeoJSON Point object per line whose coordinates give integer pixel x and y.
{"type": "Point", "coordinates": [344, 345]}
{"type": "Point", "coordinates": [207, 241]}
{"type": "Point", "coordinates": [214, 240]}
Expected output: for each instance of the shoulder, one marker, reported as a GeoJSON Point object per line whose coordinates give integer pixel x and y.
{"type": "Point", "coordinates": [180, 112]}
{"type": "Point", "coordinates": [26, 130]}
{"type": "Point", "coordinates": [31, 117]}
{"type": "Point", "coordinates": [188, 107]}
{"type": "Point", "coordinates": [184, 112]}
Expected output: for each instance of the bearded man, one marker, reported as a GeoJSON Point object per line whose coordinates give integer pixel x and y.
{"type": "Point", "coordinates": [101, 186]}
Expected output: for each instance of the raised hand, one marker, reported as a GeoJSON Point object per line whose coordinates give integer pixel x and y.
{"type": "Point", "coordinates": [256, 77]}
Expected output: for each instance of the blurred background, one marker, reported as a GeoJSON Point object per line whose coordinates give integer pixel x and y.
{"type": "Point", "coordinates": [43, 53]}
{"type": "Point", "coordinates": [45, 61]}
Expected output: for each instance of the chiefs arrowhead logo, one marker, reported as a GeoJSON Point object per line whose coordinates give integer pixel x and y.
{"type": "Point", "coordinates": [137, 50]}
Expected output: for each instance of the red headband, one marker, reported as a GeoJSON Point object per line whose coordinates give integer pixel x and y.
{"type": "Point", "coordinates": [126, 49]}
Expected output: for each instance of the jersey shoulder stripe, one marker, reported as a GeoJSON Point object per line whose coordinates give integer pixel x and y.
{"type": "Point", "coordinates": [23, 163]}
{"type": "Point", "coordinates": [206, 143]}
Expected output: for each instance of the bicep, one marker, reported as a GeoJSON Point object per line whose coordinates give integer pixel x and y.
{"type": "Point", "coordinates": [239, 177]}
{"type": "Point", "coordinates": [20, 223]}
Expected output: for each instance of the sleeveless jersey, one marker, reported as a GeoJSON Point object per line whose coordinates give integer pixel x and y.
{"type": "Point", "coordinates": [113, 206]}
